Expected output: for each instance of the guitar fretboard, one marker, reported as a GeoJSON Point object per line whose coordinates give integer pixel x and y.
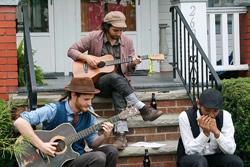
{"type": "Point", "coordinates": [75, 137]}
{"type": "Point", "coordinates": [125, 60]}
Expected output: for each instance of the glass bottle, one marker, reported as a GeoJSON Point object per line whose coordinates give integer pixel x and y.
{"type": "Point", "coordinates": [146, 161]}
{"type": "Point", "coordinates": [153, 102]}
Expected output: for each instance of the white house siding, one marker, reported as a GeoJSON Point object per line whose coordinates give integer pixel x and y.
{"type": "Point", "coordinates": [166, 18]}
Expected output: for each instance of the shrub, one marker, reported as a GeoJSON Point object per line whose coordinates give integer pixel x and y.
{"type": "Point", "coordinates": [21, 73]}
{"type": "Point", "coordinates": [236, 93]}
{"type": "Point", "coordinates": [7, 139]}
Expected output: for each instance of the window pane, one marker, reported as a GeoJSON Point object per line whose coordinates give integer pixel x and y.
{"type": "Point", "coordinates": [38, 15]}
{"type": "Point", "coordinates": [93, 12]}
{"type": "Point", "coordinates": [221, 3]}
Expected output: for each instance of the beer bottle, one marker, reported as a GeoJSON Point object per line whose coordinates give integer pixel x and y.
{"type": "Point", "coordinates": [153, 102]}
{"type": "Point", "coordinates": [146, 161]}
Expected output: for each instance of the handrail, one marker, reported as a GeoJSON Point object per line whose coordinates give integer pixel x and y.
{"type": "Point", "coordinates": [29, 63]}
{"type": "Point", "coordinates": [189, 59]}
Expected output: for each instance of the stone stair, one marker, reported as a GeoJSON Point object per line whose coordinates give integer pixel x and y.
{"type": "Point", "coordinates": [163, 130]}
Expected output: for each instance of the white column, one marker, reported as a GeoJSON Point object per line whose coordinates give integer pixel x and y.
{"type": "Point", "coordinates": [195, 12]}
{"type": "Point", "coordinates": [165, 66]}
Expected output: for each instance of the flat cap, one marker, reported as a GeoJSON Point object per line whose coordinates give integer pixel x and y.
{"type": "Point", "coordinates": [116, 19]}
{"type": "Point", "coordinates": [211, 99]}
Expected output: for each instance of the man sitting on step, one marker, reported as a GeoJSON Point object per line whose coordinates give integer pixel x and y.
{"type": "Point", "coordinates": [72, 110]}
{"type": "Point", "coordinates": [110, 40]}
{"type": "Point", "coordinates": [207, 134]}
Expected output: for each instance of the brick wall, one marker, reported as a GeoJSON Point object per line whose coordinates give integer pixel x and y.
{"type": "Point", "coordinates": [245, 41]}
{"type": "Point", "coordinates": [8, 54]}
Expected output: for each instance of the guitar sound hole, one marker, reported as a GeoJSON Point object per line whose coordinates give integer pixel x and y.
{"type": "Point", "coordinates": [101, 64]}
{"type": "Point", "coordinates": [60, 146]}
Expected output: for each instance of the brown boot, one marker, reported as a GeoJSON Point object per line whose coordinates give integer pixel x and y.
{"type": "Point", "coordinates": [150, 114]}
{"type": "Point", "coordinates": [121, 141]}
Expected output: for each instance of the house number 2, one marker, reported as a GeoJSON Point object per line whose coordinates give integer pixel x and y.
{"type": "Point", "coordinates": [192, 23]}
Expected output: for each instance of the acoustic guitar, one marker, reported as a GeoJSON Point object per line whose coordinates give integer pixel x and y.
{"type": "Point", "coordinates": [106, 65]}
{"type": "Point", "coordinates": [65, 135]}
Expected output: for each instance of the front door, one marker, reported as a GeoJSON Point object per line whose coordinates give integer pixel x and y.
{"type": "Point", "coordinates": [40, 15]}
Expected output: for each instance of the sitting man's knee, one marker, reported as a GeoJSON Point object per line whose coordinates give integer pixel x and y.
{"type": "Point", "coordinates": [196, 160]}
{"type": "Point", "coordinates": [235, 161]}
{"type": "Point", "coordinates": [100, 158]}
{"type": "Point", "coordinates": [113, 150]}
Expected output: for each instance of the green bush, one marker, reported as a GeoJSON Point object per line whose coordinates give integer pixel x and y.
{"type": "Point", "coordinates": [236, 93]}
{"type": "Point", "coordinates": [7, 139]}
{"type": "Point", "coordinates": [21, 74]}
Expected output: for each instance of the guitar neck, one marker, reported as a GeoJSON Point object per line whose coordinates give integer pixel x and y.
{"type": "Point", "coordinates": [125, 60]}
{"type": "Point", "coordinates": [78, 136]}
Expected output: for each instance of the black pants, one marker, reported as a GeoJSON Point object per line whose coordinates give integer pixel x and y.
{"type": "Point", "coordinates": [116, 86]}
{"type": "Point", "coordinates": [215, 160]}
{"type": "Point", "coordinates": [105, 156]}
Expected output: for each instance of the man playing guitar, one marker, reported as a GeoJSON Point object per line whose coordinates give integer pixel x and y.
{"type": "Point", "coordinates": [73, 110]}
{"type": "Point", "coordinates": [111, 41]}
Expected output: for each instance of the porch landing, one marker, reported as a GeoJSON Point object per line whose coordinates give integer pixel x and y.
{"type": "Point", "coordinates": [140, 81]}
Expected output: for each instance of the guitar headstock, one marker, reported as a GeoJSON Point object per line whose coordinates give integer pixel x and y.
{"type": "Point", "coordinates": [159, 57]}
{"type": "Point", "coordinates": [129, 112]}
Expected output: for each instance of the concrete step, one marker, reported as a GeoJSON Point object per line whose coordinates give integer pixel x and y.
{"type": "Point", "coordinates": [137, 121]}
{"type": "Point", "coordinates": [164, 128]}
{"type": "Point", "coordinates": [169, 148]}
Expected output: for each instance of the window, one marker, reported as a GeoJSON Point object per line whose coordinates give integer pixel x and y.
{"type": "Point", "coordinates": [93, 12]}
{"type": "Point", "coordinates": [38, 15]}
{"type": "Point", "coordinates": [221, 3]}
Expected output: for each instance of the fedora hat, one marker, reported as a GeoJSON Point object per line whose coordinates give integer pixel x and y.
{"type": "Point", "coordinates": [82, 85]}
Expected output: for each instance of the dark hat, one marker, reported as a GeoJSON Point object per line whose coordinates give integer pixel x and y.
{"type": "Point", "coordinates": [211, 99]}
{"type": "Point", "coordinates": [116, 19]}
{"type": "Point", "coordinates": [82, 85]}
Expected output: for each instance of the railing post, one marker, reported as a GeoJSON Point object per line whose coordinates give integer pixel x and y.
{"type": "Point", "coordinates": [29, 63]}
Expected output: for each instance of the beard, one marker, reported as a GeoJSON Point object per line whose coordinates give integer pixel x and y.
{"type": "Point", "coordinates": [115, 37]}
{"type": "Point", "coordinates": [80, 106]}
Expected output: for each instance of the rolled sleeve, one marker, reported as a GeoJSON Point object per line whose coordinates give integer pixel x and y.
{"type": "Point", "coordinates": [40, 115]}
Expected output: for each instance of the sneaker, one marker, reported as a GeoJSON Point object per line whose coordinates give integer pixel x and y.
{"type": "Point", "coordinates": [150, 114]}
{"type": "Point", "coordinates": [121, 141]}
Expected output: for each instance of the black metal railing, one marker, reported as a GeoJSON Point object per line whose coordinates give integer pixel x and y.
{"type": "Point", "coordinates": [189, 59]}
{"type": "Point", "coordinates": [29, 63]}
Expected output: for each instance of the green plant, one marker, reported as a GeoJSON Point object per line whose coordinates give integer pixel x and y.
{"type": "Point", "coordinates": [7, 138]}
{"type": "Point", "coordinates": [6, 134]}
{"type": "Point", "coordinates": [236, 93]}
{"type": "Point", "coordinates": [21, 74]}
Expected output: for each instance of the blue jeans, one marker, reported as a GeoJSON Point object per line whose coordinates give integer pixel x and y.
{"type": "Point", "coordinates": [215, 160]}
{"type": "Point", "coordinates": [116, 86]}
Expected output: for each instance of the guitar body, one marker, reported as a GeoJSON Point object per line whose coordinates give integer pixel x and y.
{"type": "Point", "coordinates": [93, 73]}
{"type": "Point", "coordinates": [63, 153]}
{"type": "Point", "coordinates": [106, 65]}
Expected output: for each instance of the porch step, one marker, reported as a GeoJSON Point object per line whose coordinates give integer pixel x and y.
{"type": "Point", "coordinates": [169, 148]}
{"type": "Point", "coordinates": [162, 129]}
